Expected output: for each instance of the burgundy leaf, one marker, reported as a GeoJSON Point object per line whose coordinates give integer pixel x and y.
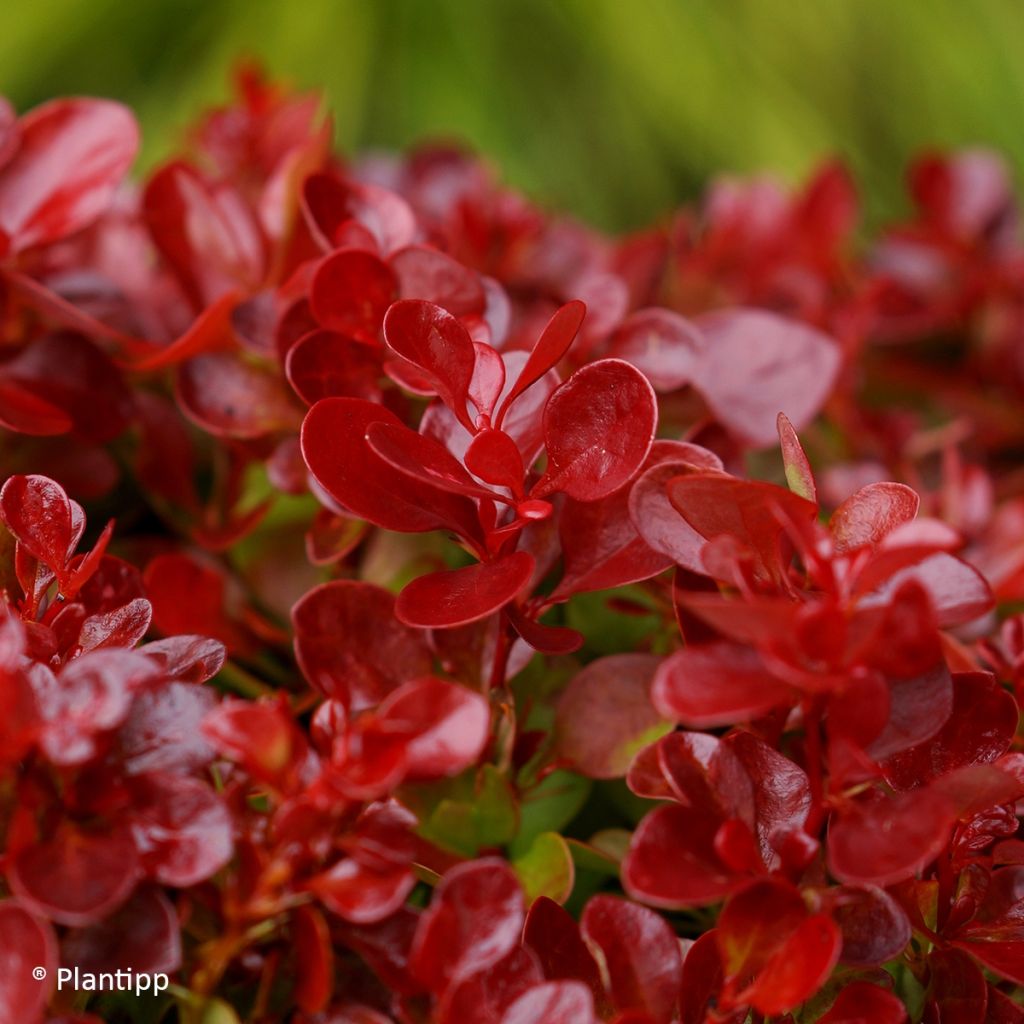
{"type": "Point", "coordinates": [324, 364]}
{"type": "Point", "coordinates": [37, 511]}
{"type": "Point", "coordinates": [350, 645]}
{"type": "Point", "coordinates": [444, 599]}
{"type": "Point", "coordinates": [351, 291]}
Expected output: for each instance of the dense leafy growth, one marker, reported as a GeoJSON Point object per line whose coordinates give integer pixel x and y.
{"type": "Point", "coordinates": [503, 624]}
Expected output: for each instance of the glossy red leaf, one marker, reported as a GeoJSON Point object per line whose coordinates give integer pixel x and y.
{"type": "Point", "coordinates": [885, 840]}
{"type": "Point", "coordinates": [494, 457]}
{"type": "Point", "coordinates": [162, 730]}
{"type": "Point", "coordinates": [25, 943]}
{"type": "Point", "coordinates": [77, 877]}
{"type": "Point", "coordinates": [360, 894]}
{"type": "Point", "coordinates": [181, 827]}
{"type": "Point", "coordinates": [866, 517]}
{"type": "Point", "coordinates": [775, 953]}
{"type": "Point", "coordinates": [350, 645]}
{"type": "Point", "coordinates": [875, 928]}
{"type": "Point", "coordinates": [452, 598]}
{"type": "Point", "coordinates": [485, 996]}
{"type": "Point", "coordinates": [351, 291]}
{"type": "Point", "coordinates": [314, 959]}
{"type": "Point", "coordinates": [978, 730]}
{"type": "Point", "coordinates": [337, 454]}
{"type": "Point", "coordinates": [259, 735]}
{"type": "Point", "coordinates": [120, 627]}
{"type": "Point", "coordinates": [716, 684]}
{"type": "Point", "coordinates": [757, 364]}
{"type": "Point", "coordinates": [325, 364]}
{"type": "Point", "coordinates": [639, 952]}
{"type": "Point", "coordinates": [72, 155]}
{"type": "Point", "coordinates": [433, 340]}
{"type": "Point", "coordinates": [861, 1002]}
{"type": "Point", "coordinates": [662, 345]}
{"type": "Point", "coordinates": [37, 511]}
{"type": "Point", "coordinates": [474, 919]}
{"type": "Point", "coordinates": [191, 659]}
{"type": "Point", "coordinates": [672, 860]}
{"type": "Point", "coordinates": [554, 1002]}
{"type": "Point", "coordinates": [554, 936]}
{"type": "Point", "coordinates": [488, 378]}
{"type": "Point", "coordinates": [702, 979]}
{"type": "Point", "coordinates": [448, 726]}
{"type": "Point", "coordinates": [605, 715]}
{"type": "Point", "coordinates": [918, 709]}
{"type": "Point", "coordinates": [333, 205]}
{"type": "Point", "coordinates": [598, 428]}
{"type": "Point", "coordinates": [421, 458]}
{"type": "Point", "coordinates": [142, 936]}
{"type": "Point", "coordinates": [552, 345]}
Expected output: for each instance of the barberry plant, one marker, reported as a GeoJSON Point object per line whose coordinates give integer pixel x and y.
{"type": "Point", "coordinates": [417, 607]}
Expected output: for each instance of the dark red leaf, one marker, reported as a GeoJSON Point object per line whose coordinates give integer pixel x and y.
{"type": "Point", "coordinates": [191, 659]}
{"type": "Point", "coordinates": [337, 454]}
{"type": "Point", "coordinates": [860, 1001]}
{"type": "Point", "coordinates": [426, 273]}
{"type": "Point", "coordinates": [121, 627]}
{"type": "Point", "coordinates": [640, 955]}
{"type": "Point", "coordinates": [142, 936]}
{"type": "Point", "coordinates": [162, 730]}
{"type": "Point", "coordinates": [360, 894]}
{"type": "Point", "coordinates": [350, 646]}
{"type": "Point", "coordinates": [259, 735]}
{"type": "Point", "coordinates": [474, 919]}
{"type": "Point", "coordinates": [325, 364]}
{"type": "Point", "coordinates": [452, 598]}
{"type": "Point", "coordinates": [77, 877]}
{"type": "Point", "coordinates": [314, 959]}
{"type": "Point", "coordinates": [874, 926]}
{"type": "Point", "coordinates": [485, 996]}
{"type": "Point", "coordinates": [494, 457]}
{"type": "Point", "coordinates": [37, 511]}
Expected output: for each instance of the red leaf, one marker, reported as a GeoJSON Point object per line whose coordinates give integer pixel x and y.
{"type": "Point", "coordinates": [351, 647]}
{"type": "Point", "coordinates": [605, 714]}
{"type": "Point", "coordinates": [663, 346]}
{"type": "Point", "coordinates": [337, 454]}
{"type": "Point", "coordinates": [438, 344]}
{"type": "Point", "coordinates": [552, 345]}
{"type": "Point", "coordinates": [25, 943]}
{"type": "Point", "coordinates": [142, 936]}
{"type": "Point", "coordinates": [351, 291]}
{"type": "Point", "coordinates": [672, 861]}
{"type": "Point", "coordinates": [918, 709]}
{"type": "Point", "coordinates": [555, 1002]}
{"type": "Point", "coordinates": [979, 730]}
{"type": "Point", "coordinates": [182, 829]}
{"type": "Point", "coordinates": [886, 840]}
{"type": "Point", "coordinates": [494, 457]}
{"type": "Point", "coordinates": [702, 979]}
{"type": "Point", "coordinates": [192, 659]}
{"type": "Point", "coordinates": [423, 459]}
{"type": "Point", "coordinates": [485, 996]}
{"type": "Point", "coordinates": [874, 926]}
{"type": "Point", "coordinates": [453, 598]}
{"type": "Point", "coordinates": [259, 735]}
{"type": "Point", "coordinates": [716, 684]}
{"type": "Point", "coordinates": [24, 412]}
{"type": "Point", "coordinates": [860, 1002]}
{"type": "Point", "coordinates": [598, 428]}
{"type": "Point", "coordinates": [640, 955]}
{"type": "Point", "coordinates": [72, 154]}
{"type": "Point", "coordinates": [324, 364]}
{"type": "Point", "coordinates": [121, 627]}
{"type": "Point", "coordinates": [162, 730]}
{"type": "Point", "coordinates": [866, 517]}
{"type": "Point", "coordinates": [332, 206]}
{"type": "Point", "coordinates": [360, 894]}
{"type": "Point", "coordinates": [958, 988]}
{"type": "Point", "coordinates": [77, 877]}
{"type": "Point", "coordinates": [474, 919]}
{"type": "Point", "coordinates": [448, 725]}
{"type": "Point", "coordinates": [757, 364]}
{"type": "Point", "coordinates": [229, 396]}
{"type": "Point", "coordinates": [314, 959]}
{"type": "Point", "coordinates": [427, 273]}
{"type": "Point", "coordinates": [555, 937]}
{"type": "Point", "coordinates": [775, 954]}
{"type": "Point", "coordinates": [37, 511]}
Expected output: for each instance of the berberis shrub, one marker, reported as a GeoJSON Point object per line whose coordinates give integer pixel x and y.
{"type": "Point", "coordinates": [417, 607]}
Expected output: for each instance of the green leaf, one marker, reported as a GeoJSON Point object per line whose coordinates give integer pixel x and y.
{"type": "Point", "coordinates": [549, 807]}
{"type": "Point", "coordinates": [546, 869]}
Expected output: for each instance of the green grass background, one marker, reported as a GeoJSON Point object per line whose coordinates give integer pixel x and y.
{"type": "Point", "coordinates": [613, 109]}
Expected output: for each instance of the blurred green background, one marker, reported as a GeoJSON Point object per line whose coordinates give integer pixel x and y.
{"type": "Point", "coordinates": [613, 109]}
